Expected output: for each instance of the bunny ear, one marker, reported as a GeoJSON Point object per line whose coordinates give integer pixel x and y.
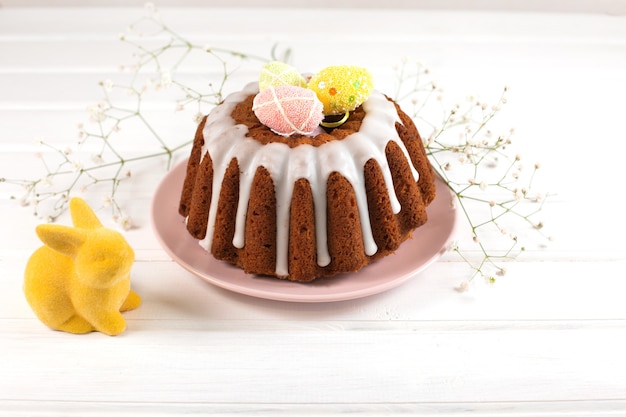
{"type": "Point", "coordinates": [63, 239]}
{"type": "Point", "coordinates": [82, 215]}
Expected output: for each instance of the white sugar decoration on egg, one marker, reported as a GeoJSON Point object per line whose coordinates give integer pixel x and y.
{"type": "Point", "coordinates": [225, 140]}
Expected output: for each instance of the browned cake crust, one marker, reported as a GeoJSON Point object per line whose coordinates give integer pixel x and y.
{"type": "Point", "coordinates": [345, 242]}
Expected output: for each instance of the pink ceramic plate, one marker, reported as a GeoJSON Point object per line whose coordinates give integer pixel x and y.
{"type": "Point", "coordinates": [415, 255]}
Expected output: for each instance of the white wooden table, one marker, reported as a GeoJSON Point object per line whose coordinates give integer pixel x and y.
{"type": "Point", "coordinates": [548, 339]}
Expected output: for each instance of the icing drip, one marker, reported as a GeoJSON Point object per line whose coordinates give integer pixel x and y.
{"type": "Point", "coordinates": [224, 140]}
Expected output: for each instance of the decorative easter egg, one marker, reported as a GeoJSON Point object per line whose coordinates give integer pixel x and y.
{"type": "Point", "coordinates": [341, 88]}
{"type": "Point", "coordinates": [276, 73]}
{"type": "Point", "coordinates": [288, 110]}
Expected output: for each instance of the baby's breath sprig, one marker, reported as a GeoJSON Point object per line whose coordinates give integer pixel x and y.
{"type": "Point", "coordinates": [101, 157]}
{"type": "Point", "coordinates": [490, 185]}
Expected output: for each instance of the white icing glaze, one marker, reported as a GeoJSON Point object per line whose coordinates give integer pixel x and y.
{"type": "Point", "coordinates": [224, 140]}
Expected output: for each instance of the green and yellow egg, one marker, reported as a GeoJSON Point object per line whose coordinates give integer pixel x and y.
{"type": "Point", "coordinates": [277, 73]}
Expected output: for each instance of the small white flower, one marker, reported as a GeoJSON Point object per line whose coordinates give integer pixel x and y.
{"type": "Point", "coordinates": [146, 86]}
{"type": "Point", "coordinates": [453, 202]}
{"type": "Point", "coordinates": [107, 85]}
{"type": "Point", "coordinates": [81, 132]}
{"type": "Point", "coordinates": [96, 113]}
{"type": "Point", "coordinates": [483, 185]}
{"type": "Point", "coordinates": [166, 80]}
{"type": "Point", "coordinates": [452, 245]}
{"type": "Point", "coordinates": [125, 222]}
{"type": "Point", "coordinates": [463, 286]}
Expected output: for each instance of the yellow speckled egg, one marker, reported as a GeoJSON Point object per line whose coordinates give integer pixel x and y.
{"type": "Point", "coordinates": [341, 88]}
{"type": "Point", "coordinates": [277, 73]}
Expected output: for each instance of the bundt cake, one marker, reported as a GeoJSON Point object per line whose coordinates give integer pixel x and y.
{"type": "Point", "coordinates": [301, 207]}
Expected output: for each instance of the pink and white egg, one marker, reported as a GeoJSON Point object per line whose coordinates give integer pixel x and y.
{"type": "Point", "coordinates": [289, 110]}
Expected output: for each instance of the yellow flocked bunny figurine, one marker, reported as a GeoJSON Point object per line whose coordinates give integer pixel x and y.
{"type": "Point", "coordinates": [80, 280]}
